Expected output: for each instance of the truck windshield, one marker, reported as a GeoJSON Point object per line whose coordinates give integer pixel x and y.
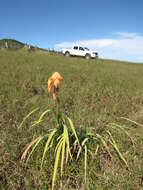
{"type": "Point", "coordinates": [75, 47]}
{"type": "Point", "coordinates": [86, 48]}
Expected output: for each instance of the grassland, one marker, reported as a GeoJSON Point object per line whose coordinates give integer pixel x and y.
{"type": "Point", "coordinates": [93, 93]}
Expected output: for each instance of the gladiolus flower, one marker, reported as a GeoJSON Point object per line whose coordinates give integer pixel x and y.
{"type": "Point", "coordinates": [54, 81]}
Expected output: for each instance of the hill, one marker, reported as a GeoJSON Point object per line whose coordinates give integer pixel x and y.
{"type": "Point", "coordinates": [93, 94]}
{"type": "Point", "coordinates": [14, 44]}
{"type": "Point", "coordinates": [11, 43]}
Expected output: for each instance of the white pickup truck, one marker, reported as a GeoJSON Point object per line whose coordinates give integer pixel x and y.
{"type": "Point", "coordinates": [80, 51]}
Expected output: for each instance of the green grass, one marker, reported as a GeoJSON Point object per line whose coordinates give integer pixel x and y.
{"type": "Point", "coordinates": [93, 94]}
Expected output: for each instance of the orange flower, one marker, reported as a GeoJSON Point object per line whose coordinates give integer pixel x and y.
{"type": "Point", "coordinates": [54, 81]}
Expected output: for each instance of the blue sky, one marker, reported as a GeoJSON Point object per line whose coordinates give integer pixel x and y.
{"type": "Point", "coordinates": [114, 28]}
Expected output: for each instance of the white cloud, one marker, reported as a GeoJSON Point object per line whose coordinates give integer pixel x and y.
{"type": "Point", "coordinates": [126, 34]}
{"type": "Point", "coordinates": [124, 46]}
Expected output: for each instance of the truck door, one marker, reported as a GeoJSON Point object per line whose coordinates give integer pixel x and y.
{"type": "Point", "coordinates": [81, 51]}
{"type": "Point", "coordinates": [75, 50]}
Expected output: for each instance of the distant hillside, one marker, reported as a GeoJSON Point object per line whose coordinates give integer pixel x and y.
{"type": "Point", "coordinates": [15, 44]}
{"type": "Point", "coordinates": [10, 43]}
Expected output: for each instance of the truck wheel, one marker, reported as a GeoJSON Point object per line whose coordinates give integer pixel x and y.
{"type": "Point", "coordinates": [87, 56]}
{"type": "Point", "coordinates": [67, 54]}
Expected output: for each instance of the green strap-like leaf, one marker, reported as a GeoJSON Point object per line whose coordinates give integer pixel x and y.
{"type": "Point", "coordinates": [84, 141]}
{"type": "Point", "coordinates": [40, 118]}
{"type": "Point", "coordinates": [73, 130]}
{"type": "Point", "coordinates": [27, 116]}
{"type": "Point", "coordinates": [104, 143]}
{"type": "Point", "coordinates": [67, 140]}
{"type": "Point", "coordinates": [113, 143]}
{"type": "Point", "coordinates": [44, 113]}
{"type": "Point", "coordinates": [28, 148]}
{"type": "Point", "coordinates": [36, 123]}
{"type": "Point", "coordinates": [63, 155]}
{"type": "Point", "coordinates": [114, 125]}
{"type": "Point", "coordinates": [132, 121]}
{"type": "Point", "coordinates": [96, 149]}
{"type": "Point", "coordinates": [67, 155]}
{"type": "Point", "coordinates": [85, 164]}
{"type": "Point", "coordinates": [78, 153]}
{"type": "Point", "coordinates": [37, 143]}
{"type": "Point", "coordinates": [56, 165]}
{"type": "Point", "coordinates": [47, 145]}
{"type": "Point", "coordinates": [59, 142]}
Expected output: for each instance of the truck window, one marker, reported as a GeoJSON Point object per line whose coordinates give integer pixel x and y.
{"type": "Point", "coordinates": [80, 48]}
{"type": "Point", "coordinates": [75, 47]}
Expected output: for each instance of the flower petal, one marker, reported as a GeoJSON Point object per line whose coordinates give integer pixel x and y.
{"type": "Point", "coordinates": [50, 83]}
{"type": "Point", "coordinates": [56, 83]}
{"type": "Point", "coordinates": [56, 75]}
